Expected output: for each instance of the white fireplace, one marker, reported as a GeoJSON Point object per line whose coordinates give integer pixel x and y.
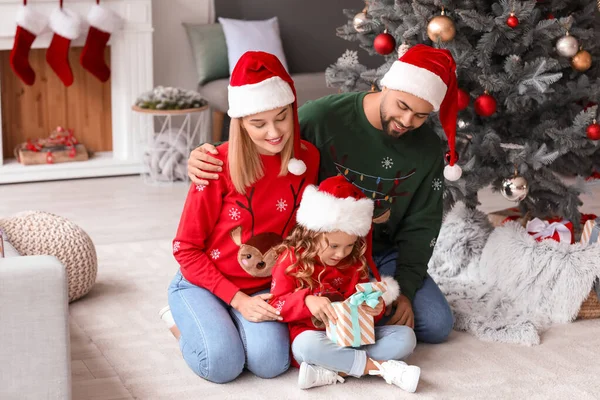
{"type": "Point", "coordinates": [131, 75]}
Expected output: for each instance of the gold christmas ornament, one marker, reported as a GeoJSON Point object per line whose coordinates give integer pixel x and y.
{"type": "Point", "coordinates": [567, 46]}
{"type": "Point", "coordinates": [582, 60]}
{"type": "Point", "coordinates": [441, 27]}
{"type": "Point", "coordinates": [361, 21]}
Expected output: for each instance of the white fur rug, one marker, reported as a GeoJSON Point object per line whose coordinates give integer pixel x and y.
{"type": "Point", "coordinates": [504, 286]}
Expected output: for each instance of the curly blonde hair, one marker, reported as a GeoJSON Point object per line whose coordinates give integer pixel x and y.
{"type": "Point", "coordinates": [306, 248]}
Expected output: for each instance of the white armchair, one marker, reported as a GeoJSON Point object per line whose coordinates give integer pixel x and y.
{"type": "Point", "coordinates": [35, 358]}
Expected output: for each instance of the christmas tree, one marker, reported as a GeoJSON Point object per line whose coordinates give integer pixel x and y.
{"type": "Point", "coordinates": [528, 75]}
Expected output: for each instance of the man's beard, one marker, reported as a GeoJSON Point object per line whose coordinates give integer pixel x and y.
{"type": "Point", "coordinates": [386, 124]}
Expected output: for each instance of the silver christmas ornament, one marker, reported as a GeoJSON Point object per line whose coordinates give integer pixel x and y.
{"type": "Point", "coordinates": [361, 22]}
{"type": "Point", "coordinates": [515, 189]}
{"type": "Point", "coordinates": [567, 46]}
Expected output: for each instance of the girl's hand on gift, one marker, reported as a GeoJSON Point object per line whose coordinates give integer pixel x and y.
{"type": "Point", "coordinates": [321, 308]}
{"type": "Point", "coordinates": [403, 315]}
{"type": "Point", "coordinates": [255, 308]}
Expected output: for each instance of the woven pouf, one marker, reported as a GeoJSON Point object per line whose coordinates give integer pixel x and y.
{"type": "Point", "coordinates": [42, 233]}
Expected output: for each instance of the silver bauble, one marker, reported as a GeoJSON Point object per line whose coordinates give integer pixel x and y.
{"type": "Point", "coordinates": [515, 189]}
{"type": "Point", "coordinates": [361, 22]}
{"type": "Point", "coordinates": [567, 46]}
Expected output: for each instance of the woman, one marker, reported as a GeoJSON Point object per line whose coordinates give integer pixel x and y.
{"type": "Point", "coordinates": [228, 229]}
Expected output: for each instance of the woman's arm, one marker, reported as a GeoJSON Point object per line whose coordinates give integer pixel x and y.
{"type": "Point", "coordinates": [200, 214]}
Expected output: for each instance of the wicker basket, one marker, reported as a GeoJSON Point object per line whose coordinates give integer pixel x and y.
{"type": "Point", "coordinates": [590, 308]}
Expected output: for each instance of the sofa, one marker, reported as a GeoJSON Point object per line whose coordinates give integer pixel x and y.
{"type": "Point", "coordinates": [35, 357]}
{"type": "Point", "coordinates": [307, 31]}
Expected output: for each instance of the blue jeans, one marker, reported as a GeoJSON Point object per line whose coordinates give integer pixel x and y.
{"type": "Point", "coordinates": [433, 316]}
{"type": "Point", "coordinates": [217, 342]}
{"type": "Point", "coordinates": [391, 343]}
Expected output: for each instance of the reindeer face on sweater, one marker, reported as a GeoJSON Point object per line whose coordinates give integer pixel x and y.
{"type": "Point", "coordinates": [257, 256]}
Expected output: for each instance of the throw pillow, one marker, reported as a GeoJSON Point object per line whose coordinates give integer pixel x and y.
{"type": "Point", "coordinates": [210, 51]}
{"type": "Point", "coordinates": [242, 36]}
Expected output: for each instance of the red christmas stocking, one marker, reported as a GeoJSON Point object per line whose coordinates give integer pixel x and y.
{"type": "Point", "coordinates": [30, 24]}
{"type": "Point", "coordinates": [66, 27]}
{"type": "Point", "coordinates": [103, 22]}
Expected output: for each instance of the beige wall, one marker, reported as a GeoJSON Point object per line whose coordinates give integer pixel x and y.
{"type": "Point", "coordinates": [173, 62]}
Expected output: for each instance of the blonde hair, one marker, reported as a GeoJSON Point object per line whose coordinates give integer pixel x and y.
{"type": "Point", "coordinates": [306, 248]}
{"type": "Point", "coordinates": [245, 165]}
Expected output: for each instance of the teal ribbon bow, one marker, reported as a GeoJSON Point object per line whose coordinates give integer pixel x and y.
{"type": "Point", "coordinates": [371, 298]}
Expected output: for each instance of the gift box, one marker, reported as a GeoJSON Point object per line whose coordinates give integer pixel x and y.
{"type": "Point", "coordinates": [556, 229]}
{"type": "Point", "coordinates": [355, 324]}
{"type": "Point", "coordinates": [591, 232]}
{"type": "Point", "coordinates": [499, 218]}
{"type": "Point", "coordinates": [61, 146]}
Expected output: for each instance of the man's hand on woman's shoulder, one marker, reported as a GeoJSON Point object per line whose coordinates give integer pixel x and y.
{"type": "Point", "coordinates": [201, 164]}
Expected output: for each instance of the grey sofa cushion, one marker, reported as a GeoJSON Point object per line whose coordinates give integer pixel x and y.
{"type": "Point", "coordinates": [209, 50]}
{"type": "Point", "coordinates": [310, 86]}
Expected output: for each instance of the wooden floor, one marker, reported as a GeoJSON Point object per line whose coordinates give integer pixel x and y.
{"type": "Point", "coordinates": [117, 210]}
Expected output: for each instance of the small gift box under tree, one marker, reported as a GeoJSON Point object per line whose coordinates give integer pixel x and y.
{"type": "Point", "coordinates": [591, 306]}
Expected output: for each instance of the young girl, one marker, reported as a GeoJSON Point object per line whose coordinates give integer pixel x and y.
{"type": "Point", "coordinates": [218, 298]}
{"type": "Point", "coordinates": [321, 262]}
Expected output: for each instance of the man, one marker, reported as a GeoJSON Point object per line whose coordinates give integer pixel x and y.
{"type": "Point", "coordinates": [379, 142]}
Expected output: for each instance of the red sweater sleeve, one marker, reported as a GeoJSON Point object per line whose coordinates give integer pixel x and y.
{"type": "Point", "coordinates": [288, 300]}
{"type": "Point", "coordinates": [198, 220]}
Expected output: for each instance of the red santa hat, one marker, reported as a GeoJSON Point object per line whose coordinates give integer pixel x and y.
{"type": "Point", "coordinates": [430, 74]}
{"type": "Point", "coordinates": [258, 83]}
{"type": "Point", "coordinates": [338, 205]}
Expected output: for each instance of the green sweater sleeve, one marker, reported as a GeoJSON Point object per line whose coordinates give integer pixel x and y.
{"type": "Point", "coordinates": [418, 231]}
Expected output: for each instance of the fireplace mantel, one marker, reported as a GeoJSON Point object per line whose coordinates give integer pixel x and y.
{"type": "Point", "coordinates": [131, 75]}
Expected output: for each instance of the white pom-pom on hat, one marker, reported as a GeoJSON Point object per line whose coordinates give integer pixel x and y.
{"type": "Point", "coordinates": [296, 167]}
{"type": "Point", "coordinates": [452, 172]}
{"type": "Point", "coordinates": [393, 290]}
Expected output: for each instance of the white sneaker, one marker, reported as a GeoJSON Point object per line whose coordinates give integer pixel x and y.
{"type": "Point", "coordinates": [399, 373]}
{"type": "Point", "coordinates": [312, 376]}
{"type": "Point", "coordinates": [166, 315]}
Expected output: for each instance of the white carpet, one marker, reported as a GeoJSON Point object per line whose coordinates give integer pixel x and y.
{"type": "Point", "coordinates": [120, 316]}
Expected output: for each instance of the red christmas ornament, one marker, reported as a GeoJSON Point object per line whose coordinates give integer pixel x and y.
{"type": "Point", "coordinates": [485, 105]}
{"type": "Point", "coordinates": [593, 131]}
{"type": "Point", "coordinates": [550, 16]}
{"type": "Point", "coordinates": [463, 99]}
{"type": "Point", "coordinates": [384, 43]}
{"type": "Point", "coordinates": [448, 155]}
{"type": "Point", "coordinates": [512, 21]}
